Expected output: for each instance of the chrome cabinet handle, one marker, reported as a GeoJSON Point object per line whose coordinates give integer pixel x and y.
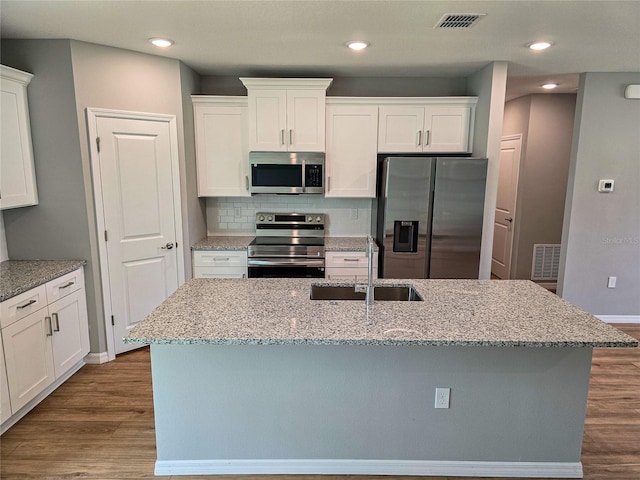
{"type": "Point", "coordinates": [30, 302]}
{"type": "Point", "coordinates": [168, 246]}
{"type": "Point", "coordinates": [246, 182]}
{"type": "Point", "coordinates": [351, 260]}
{"type": "Point", "coordinates": [290, 136]}
{"type": "Point", "coordinates": [66, 285]}
{"type": "Point", "coordinates": [221, 259]}
{"type": "Point", "coordinates": [328, 183]}
{"type": "Point", "coordinates": [427, 137]}
{"type": "Point", "coordinates": [50, 332]}
{"type": "Point", "coordinates": [282, 137]}
{"type": "Point", "coordinates": [55, 318]}
{"type": "Point", "coordinates": [419, 138]}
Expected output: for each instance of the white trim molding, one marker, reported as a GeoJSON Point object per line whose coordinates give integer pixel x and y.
{"type": "Point", "coordinates": [619, 318]}
{"type": "Point", "coordinates": [96, 358]}
{"type": "Point", "coordinates": [370, 467]}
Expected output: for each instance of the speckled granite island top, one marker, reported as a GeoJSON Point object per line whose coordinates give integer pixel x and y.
{"type": "Point", "coordinates": [18, 276]}
{"type": "Point", "coordinates": [453, 313]}
{"type": "Point", "coordinates": [332, 244]}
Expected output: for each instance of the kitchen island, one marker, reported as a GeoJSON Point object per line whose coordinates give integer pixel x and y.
{"type": "Point", "coordinates": [252, 376]}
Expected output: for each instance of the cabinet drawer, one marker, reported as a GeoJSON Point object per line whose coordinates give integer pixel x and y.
{"type": "Point", "coordinates": [22, 305]}
{"type": "Point", "coordinates": [219, 272]}
{"type": "Point", "coordinates": [64, 285]}
{"type": "Point", "coordinates": [349, 274]}
{"type": "Point", "coordinates": [349, 259]}
{"type": "Point", "coordinates": [220, 259]}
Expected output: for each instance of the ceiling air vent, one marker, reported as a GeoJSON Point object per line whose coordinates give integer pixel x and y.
{"type": "Point", "coordinates": [459, 20]}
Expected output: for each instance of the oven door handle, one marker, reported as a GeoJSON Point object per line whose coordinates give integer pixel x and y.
{"type": "Point", "coordinates": [292, 262]}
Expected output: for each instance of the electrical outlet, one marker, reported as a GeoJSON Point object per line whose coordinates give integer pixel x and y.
{"type": "Point", "coordinates": [237, 212]}
{"type": "Point", "coordinates": [354, 214]}
{"type": "Point", "coordinates": [442, 397]}
{"type": "Point", "coordinates": [611, 283]}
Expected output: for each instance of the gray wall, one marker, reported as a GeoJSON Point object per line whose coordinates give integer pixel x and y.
{"type": "Point", "coordinates": [58, 227]}
{"type": "Point", "coordinates": [546, 125]}
{"type": "Point", "coordinates": [194, 212]}
{"type": "Point", "coordinates": [601, 232]}
{"type": "Point", "coordinates": [356, 86]}
{"type": "Point", "coordinates": [369, 402]}
{"type": "Point", "coordinates": [489, 85]}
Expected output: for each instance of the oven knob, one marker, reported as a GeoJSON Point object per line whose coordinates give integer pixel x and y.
{"type": "Point", "coordinates": [269, 218]}
{"type": "Point", "coordinates": [261, 218]}
{"type": "Point", "coordinates": [309, 219]}
{"type": "Point", "coordinates": [318, 219]}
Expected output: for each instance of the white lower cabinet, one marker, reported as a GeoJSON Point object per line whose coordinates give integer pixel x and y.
{"type": "Point", "coordinates": [220, 264]}
{"type": "Point", "coordinates": [349, 266]}
{"type": "Point", "coordinates": [44, 343]}
{"type": "Point", "coordinates": [5, 402]}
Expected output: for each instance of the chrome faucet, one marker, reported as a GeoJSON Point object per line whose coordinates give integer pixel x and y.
{"type": "Point", "coordinates": [369, 294]}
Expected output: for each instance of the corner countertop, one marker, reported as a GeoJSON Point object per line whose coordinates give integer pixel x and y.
{"type": "Point", "coordinates": [18, 276]}
{"type": "Point", "coordinates": [332, 244]}
{"type": "Point", "coordinates": [505, 313]}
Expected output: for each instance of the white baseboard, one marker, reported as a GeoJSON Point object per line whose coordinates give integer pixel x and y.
{"type": "Point", "coordinates": [370, 467]}
{"type": "Point", "coordinates": [96, 358]}
{"type": "Point", "coordinates": [619, 318]}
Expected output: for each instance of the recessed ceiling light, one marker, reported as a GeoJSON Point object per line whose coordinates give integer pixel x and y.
{"type": "Point", "coordinates": [161, 42]}
{"type": "Point", "coordinates": [358, 45]}
{"type": "Point", "coordinates": [539, 45]}
{"type": "Point", "coordinates": [549, 86]}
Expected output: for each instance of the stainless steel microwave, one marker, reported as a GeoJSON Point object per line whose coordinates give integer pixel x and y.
{"type": "Point", "coordinates": [286, 172]}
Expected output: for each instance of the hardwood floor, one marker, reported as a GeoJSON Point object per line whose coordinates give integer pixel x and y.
{"type": "Point", "coordinates": [99, 425]}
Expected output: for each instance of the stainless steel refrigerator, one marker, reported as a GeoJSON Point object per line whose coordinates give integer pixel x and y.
{"type": "Point", "coordinates": [429, 216]}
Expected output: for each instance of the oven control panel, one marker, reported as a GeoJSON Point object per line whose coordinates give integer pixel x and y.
{"type": "Point", "coordinates": [290, 219]}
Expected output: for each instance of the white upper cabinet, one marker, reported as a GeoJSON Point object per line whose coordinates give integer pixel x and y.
{"type": "Point", "coordinates": [286, 114]}
{"type": "Point", "coordinates": [434, 125]}
{"type": "Point", "coordinates": [17, 172]}
{"type": "Point", "coordinates": [222, 150]}
{"type": "Point", "coordinates": [352, 131]}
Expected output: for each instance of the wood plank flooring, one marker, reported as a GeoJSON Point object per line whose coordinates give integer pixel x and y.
{"type": "Point", "coordinates": [99, 425]}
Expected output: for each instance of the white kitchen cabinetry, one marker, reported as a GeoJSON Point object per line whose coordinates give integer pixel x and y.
{"type": "Point", "coordinates": [349, 266]}
{"type": "Point", "coordinates": [44, 340]}
{"type": "Point", "coordinates": [352, 132]}
{"type": "Point", "coordinates": [5, 402]}
{"type": "Point", "coordinates": [438, 125]}
{"type": "Point", "coordinates": [286, 114]}
{"type": "Point", "coordinates": [222, 149]}
{"type": "Point", "coordinates": [17, 172]}
{"type": "Point", "coordinates": [220, 264]}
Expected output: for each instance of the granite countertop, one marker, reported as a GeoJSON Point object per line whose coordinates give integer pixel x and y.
{"type": "Point", "coordinates": [18, 276]}
{"type": "Point", "coordinates": [505, 313]}
{"type": "Point", "coordinates": [332, 244]}
{"type": "Point", "coordinates": [222, 242]}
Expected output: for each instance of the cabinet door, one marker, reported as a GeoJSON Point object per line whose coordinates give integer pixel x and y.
{"type": "Point", "coordinates": [70, 331]}
{"type": "Point", "coordinates": [267, 120]}
{"type": "Point", "coordinates": [17, 172]}
{"type": "Point", "coordinates": [351, 159]}
{"type": "Point", "coordinates": [222, 150]}
{"type": "Point", "coordinates": [305, 121]}
{"type": "Point", "coordinates": [446, 129]}
{"type": "Point", "coordinates": [29, 357]}
{"type": "Point", "coordinates": [400, 129]}
{"type": "Point", "coordinates": [5, 402]}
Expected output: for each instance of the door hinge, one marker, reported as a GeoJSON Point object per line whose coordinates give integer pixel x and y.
{"type": "Point", "coordinates": [113, 321]}
{"type": "Point", "coordinates": [98, 143]}
{"type": "Point", "coordinates": [105, 236]}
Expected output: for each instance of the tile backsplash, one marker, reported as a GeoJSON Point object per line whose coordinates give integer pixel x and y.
{"type": "Point", "coordinates": [237, 215]}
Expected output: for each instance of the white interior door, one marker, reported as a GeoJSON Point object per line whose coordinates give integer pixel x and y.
{"type": "Point", "coordinates": [506, 206]}
{"type": "Point", "coordinates": [138, 186]}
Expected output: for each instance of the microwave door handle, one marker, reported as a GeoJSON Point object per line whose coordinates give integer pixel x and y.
{"type": "Point", "coordinates": [304, 175]}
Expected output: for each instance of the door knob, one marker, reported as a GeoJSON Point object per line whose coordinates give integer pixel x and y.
{"type": "Point", "coordinates": [508, 219]}
{"type": "Point", "coordinates": [168, 246]}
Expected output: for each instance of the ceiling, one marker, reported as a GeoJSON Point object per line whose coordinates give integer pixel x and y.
{"type": "Point", "coordinates": [307, 37]}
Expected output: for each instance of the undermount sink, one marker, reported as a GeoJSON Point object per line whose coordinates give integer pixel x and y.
{"type": "Point", "coordinates": [393, 293]}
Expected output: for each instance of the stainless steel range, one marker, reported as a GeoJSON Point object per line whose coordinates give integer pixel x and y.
{"type": "Point", "coordinates": [287, 245]}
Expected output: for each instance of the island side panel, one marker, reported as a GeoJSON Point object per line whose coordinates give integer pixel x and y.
{"type": "Point", "coordinates": [509, 404]}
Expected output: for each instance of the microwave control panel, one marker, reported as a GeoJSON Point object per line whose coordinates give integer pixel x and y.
{"type": "Point", "coordinates": [313, 176]}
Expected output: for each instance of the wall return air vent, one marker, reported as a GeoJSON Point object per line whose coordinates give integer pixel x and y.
{"type": "Point", "coordinates": [459, 20]}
